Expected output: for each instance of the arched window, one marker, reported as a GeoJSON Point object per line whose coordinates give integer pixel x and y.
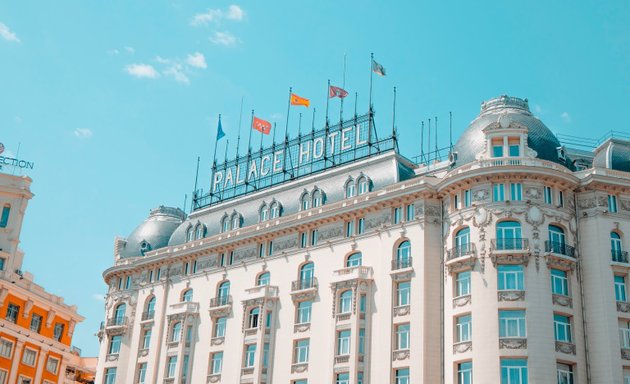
{"type": "Point", "coordinates": [119, 314]}
{"type": "Point", "coordinates": [4, 219]}
{"type": "Point", "coordinates": [354, 260]}
{"type": "Point", "coordinates": [177, 332]}
{"type": "Point", "coordinates": [403, 255]}
{"type": "Point", "coordinates": [263, 279]}
{"type": "Point", "coordinates": [350, 188]}
{"type": "Point", "coordinates": [509, 236]}
{"type": "Point", "coordinates": [236, 221]}
{"type": "Point", "coordinates": [345, 301]}
{"type": "Point", "coordinates": [223, 293]}
{"type": "Point", "coordinates": [616, 247]}
{"type": "Point", "coordinates": [364, 185]}
{"type": "Point", "coordinates": [189, 234]}
{"type": "Point", "coordinates": [462, 242]}
{"type": "Point", "coordinates": [275, 210]}
{"type": "Point", "coordinates": [225, 224]}
{"type": "Point", "coordinates": [150, 308]}
{"type": "Point", "coordinates": [264, 213]}
{"type": "Point", "coordinates": [307, 275]}
{"type": "Point", "coordinates": [317, 198]}
{"type": "Point", "coordinates": [304, 201]}
{"type": "Point", "coordinates": [557, 240]}
{"type": "Point", "coordinates": [254, 317]}
{"type": "Point", "coordinates": [199, 231]}
{"type": "Point", "coordinates": [187, 295]}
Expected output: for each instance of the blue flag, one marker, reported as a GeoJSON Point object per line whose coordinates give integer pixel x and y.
{"type": "Point", "coordinates": [220, 133]}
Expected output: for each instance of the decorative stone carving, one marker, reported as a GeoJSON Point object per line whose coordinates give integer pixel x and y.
{"type": "Point", "coordinates": [111, 357]}
{"type": "Point", "coordinates": [562, 300]}
{"type": "Point", "coordinates": [432, 210]}
{"type": "Point", "coordinates": [625, 353]}
{"type": "Point", "coordinates": [461, 301]}
{"type": "Point", "coordinates": [533, 193]}
{"type": "Point", "coordinates": [461, 263]}
{"type": "Point", "coordinates": [245, 254]}
{"type": "Point", "coordinates": [402, 310]}
{"type": "Point", "coordinates": [560, 262]}
{"type": "Point", "coordinates": [217, 341]}
{"type": "Point", "coordinates": [481, 195]}
{"type": "Point", "coordinates": [534, 216]}
{"type": "Point", "coordinates": [400, 355]}
{"type": "Point", "coordinates": [330, 232]}
{"type": "Point", "coordinates": [299, 328]}
{"type": "Point", "coordinates": [377, 221]}
{"type": "Point", "coordinates": [143, 352]}
{"type": "Point", "coordinates": [623, 306]}
{"type": "Point", "coordinates": [462, 347]}
{"type": "Point", "coordinates": [481, 217]}
{"type": "Point", "coordinates": [287, 242]}
{"type": "Point", "coordinates": [511, 295]}
{"type": "Point", "coordinates": [299, 367]}
{"type": "Point", "coordinates": [214, 378]}
{"type": "Point", "coordinates": [512, 343]}
{"type": "Point", "coordinates": [522, 258]}
{"type": "Point", "coordinates": [568, 348]}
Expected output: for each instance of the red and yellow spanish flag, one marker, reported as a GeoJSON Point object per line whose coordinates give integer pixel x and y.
{"type": "Point", "coordinates": [262, 126]}
{"type": "Point", "coordinates": [299, 100]}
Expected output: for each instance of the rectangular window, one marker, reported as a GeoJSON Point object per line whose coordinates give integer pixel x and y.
{"type": "Point", "coordinates": [142, 373]}
{"type": "Point", "coordinates": [402, 376]}
{"type": "Point", "coordinates": [343, 342]}
{"type": "Point", "coordinates": [12, 312]}
{"type": "Point", "coordinates": [624, 334]}
{"type": "Point", "coordinates": [301, 381]}
{"type": "Point", "coordinates": [360, 226]}
{"type": "Point", "coordinates": [110, 376]}
{"type": "Point", "coordinates": [361, 341]}
{"type": "Point", "coordinates": [562, 328]}
{"type": "Point", "coordinates": [513, 371]}
{"type": "Point", "coordinates": [314, 235]}
{"type": "Point", "coordinates": [36, 323]}
{"type": "Point", "coordinates": [269, 249]}
{"type": "Point", "coordinates": [170, 368]}
{"type": "Point", "coordinates": [28, 357]}
{"type": "Point", "coordinates": [463, 327]}
{"type": "Point", "coordinates": [301, 351]}
{"type": "Point", "coordinates": [397, 215]}
{"type": "Point", "coordinates": [516, 191]}
{"type": "Point", "coordinates": [342, 378]}
{"type": "Point", "coordinates": [362, 303]}
{"type": "Point", "coordinates": [512, 324]}
{"type": "Point", "coordinates": [304, 312]}
{"type": "Point", "coordinates": [462, 284]}
{"type": "Point", "coordinates": [303, 240]}
{"type": "Point", "coordinates": [402, 293]}
{"type": "Point", "coordinates": [58, 331]}
{"type": "Point", "coordinates": [514, 150]}
{"type": "Point", "coordinates": [217, 362]}
{"type": "Point", "coordinates": [4, 219]}
{"type": "Point", "coordinates": [359, 377]}
{"type": "Point", "coordinates": [2, 261]}
{"type": "Point", "coordinates": [250, 355]}
{"type": "Point", "coordinates": [456, 201]}
{"type": "Point", "coordinates": [261, 250]}
{"type": "Point", "coordinates": [3, 376]}
{"type": "Point", "coordinates": [410, 212]}
{"type": "Point", "coordinates": [612, 203]}
{"type": "Point", "coordinates": [559, 282]}
{"type": "Point", "coordinates": [498, 192]}
{"type": "Point", "coordinates": [349, 228]}
{"type": "Point", "coordinates": [158, 274]}
{"type": "Point", "coordinates": [565, 374]}
{"type": "Point", "coordinates": [128, 282]}
{"type": "Point", "coordinates": [265, 355]}
{"type": "Point", "coordinates": [548, 195]}
{"type": "Point", "coordinates": [6, 347]}
{"type": "Point", "coordinates": [114, 344]}
{"type": "Point", "coordinates": [464, 373]}
{"type": "Point", "coordinates": [510, 277]}
{"type": "Point", "coordinates": [52, 364]}
{"type": "Point", "coordinates": [402, 336]}
{"type": "Point", "coordinates": [620, 288]}
{"type": "Point", "coordinates": [150, 276]}
{"type": "Point", "coordinates": [560, 199]}
{"type": "Point", "coordinates": [467, 198]}
{"type": "Point", "coordinates": [146, 339]}
{"type": "Point", "coordinates": [497, 150]}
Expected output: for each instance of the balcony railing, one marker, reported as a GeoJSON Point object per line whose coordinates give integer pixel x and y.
{"type": "Point", "coordinates": [148, 315]}
{"type": "Point", "coordinates": [510, 244]}
{"type": "Point", "coordinates": [619, 256]}
{"type": "Point", "coordinates": [461, 250]}
{"type": "Point", "coordinates": [401, 263]}
{"type": "Point", "coordinates": [221, 301]}
{"type": "Point", "coordinates": [299, 285]}
{"type": "Point", "coordinates": [117, 321]}
{"type": "Point", "coordinates": [560, 248]}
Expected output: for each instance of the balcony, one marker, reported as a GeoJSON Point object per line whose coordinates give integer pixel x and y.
{"type": "Point", "coordinates": [214, 378]}
{"type": "Point", "coordinates": [403, 263]}
{"type": "Point", "coordinates": [559, 248]}
{"type": "Point", "coordinates": [184, 308]}
{"type": "Point", "coordinates": [305, 289]}
{"type": "Point", "coordinates": [461, 257]}
{"type": "Point", "coordinates": [261, 292]}
{"type": "Point", "coordinates": [565, 347]}
{"type": "Point", "coordinates": [619, 256]}
{"type": "Point", "coordinates": [559, 255]}
{"type": "Point", "coordinates": [462, 346]}
{"type": "Point", "coordinates": [116, 325]}
{"type": "Point", "coordinates": [148, 315]}
{"type": "Point", "coordinates": [342, 359]}
{"type": "Point", "coordinates": [511, 295]}
{"type": "Point", "coordinates": [353, 273]}
{"type": "Point", "coordinates": [299, 367]}
{"type": "Point", "coordinates": [512, 343]}
{"type": "Point", "coordinates": [220, 306]}
{"type": "Point", "coordinates": [562, 300]}
{"type": "Point", "coordinates": [509, 251]}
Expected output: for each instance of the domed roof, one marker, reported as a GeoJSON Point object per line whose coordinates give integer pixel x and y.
{"type": "Point", "coordinates": [154, 232]}
{"type": "Point", "coordinates": [613, 154]}
{"type": "Point", "coordinates": [539, 137]}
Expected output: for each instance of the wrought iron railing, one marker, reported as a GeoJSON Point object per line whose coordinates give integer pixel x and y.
{"type": "Point", "coordinates": [298, 285]}
{"type": "Point", "coordinates": [560, 248]}
{"type": "Point", "coordinates": [220, 301]}
{"type": "Point", "coordinates": [510, 244]}
{"type": "Point", "coordinates": [148, 315]}
{"type": "Point", "coordinates": [461, 250]}
{"type": "Point", "coordinates": [117, 321]}
{"type": "Point", "coordinates": [400, 263]}
{"type": "Point", "coordinates": [619, 256]}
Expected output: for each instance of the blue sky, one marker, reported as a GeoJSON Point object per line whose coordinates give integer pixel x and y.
{"type": "Point", "coordinates": [114, 100]}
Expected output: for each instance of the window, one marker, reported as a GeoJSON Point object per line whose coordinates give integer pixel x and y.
{"type": "Point", "coordinates": [36, 323]}
{"type": "Point", "coordinates": [4, 219]}
{"type": "Point", "coordinates": [462, 284]}
{"type": "Point", "coordinates": [6, 348]}
{"type": "Point", "coordinates": [560, 199]}
{"type": "Point", "coordinates": [509, 236]}
{"type": "Point", "coordinates": [187, 296]}
{"type": "Point", "coordinates": [362, 303]}
{"type": "Point", "coordinates": [301, 381]}
{"type": "Point", "coordinates": [402, 376]}
{"type": "Point", "coordinates": [29, 356]}
{"type": "Point", "coordinates": [110, 376]}
{"type": "Point", "coordinates": [612, 203]}
{"type": "Point", "coordinates": [254, 317]}
{"type": "Point", "coordinates": [199, 232]}
{"type": "Point", "coordinates": [128, 282]}
{"type": "Point", "coordinates": [52, 364]}
{"type": "Point", "coordinates": [467, 198]}
{"type": "Point", "coordinates": [264, 213]}
{"type": "Point", "coordinates": [343, 342]}
{"type": "Point", "coordinates": [317, 198]}
{"type": "Point", "coordinates": [350, 189]}
{"type": "Point", "coordinates": [114, 344]}
{"type": "Point", "coordinates": [616, 247]}
{"type": "Point", "coordinates": [268, 319]}
{"type": "Point", "coordinates": [142, 373]}
{"type": "Point", "coordinates": [510, 278]}
{"type": "Point", "coordinates": [170, 368]}
{"type": "Point", "coordinates": [3, 376]}
{"type": "Point", "coordinates": [305, 202]}
{"type": "Point", "coordinates": [360, 226]}
{"type": "Point", "coordinates": [12, 312]}
{"type": "Point", "coordinates": [397, 215]}
{"type": "Point", "coordinates": [403, 255]}
{"type": "Point", "coordinates": [624, 332]}
{"type": "Point", "coordinates": [354, 260]}
{"type": "Point", "coordinates": [275, 210]}
{"type": "Point", "coordinates": [217, 362]}
{"type": "Point", "coordinates": [304, 312]}
{"type": "Point", "coordinates": [189, 335]}
{"type": "Point", "coordinates": [402, 336]}
{"type": "Point", "coordinates": [512, 324]}
{"type": "Point", "coordinates": [462, 242]}
{"type": "Point", "coordinates": [516, 191]}
{"type": "Point", "coordinates": [176, 334]}
{"type": "Point", "coordinates": [361, 341]}
{"type": "Point", "coordinates": [497, 148]}
{"type": "Point", "coordinates": [314, 236]}
{"type": "Point", "coordinates": [219, 326]}
{"type": "Point", "coordinates": [119, 314]}
{"type": "Point", "coordinates": [463, 326]}
{"type": "Point", "coordinates": [464, 373]}
{"type": "Point", "coordinates": [565, 373]}
{"type": "Point", "coordinates": [306, 275]}
{"type": "Point", "coordinates": [150, 309]}
{"type": "Point", "coordinates": [548, 192]}
{"type": "Point", "coordinates": [146, 339]}
{"type": "Point", "coordinates": [456, 203]}
{"type": "Point", "coordinates": [559, 282]}
{"type": "Point", "coordinates": [301, 351]}
{"type": "Point", "coordinates": [236, 221]}
{"type": "Point", "coordinates": [562, 328]}
{"type": "Point", "coordinates": [270, 248]}
{"type": "Point", "coordinates": [557, 240]}
{"type": "Point", "coordinates": [349, 228]}
{"type": "Point", "coordinates": [345, 301]}
{"type": "Point", "coordinates": [359, 377]}
{"type": "Point", "coordinates": [2, 261]}
{"type": "Point", "coordinates": [513, 371]}
{"type": "Point", "coordinates": [402, 293]}
{"type": "Point", "coordinates": [410, 212]}
{"type": "Point", "coordinates": [303, 240]}
{"type": "Point", "coordinates": [189, 234]}
{"type": "Point", "coordinates": [498, 192]}
{"type": "Point", "coordinates": [620, 288]}
{"type": "Point", "coordinates": [225, 225]}
{"type": "Point", "coordinates": [250, 355]}
{"type": "Point", "coordinates": [343, 378]}
{"type": "Point", "coordinates": [364, 185]}
{"type": "Point", "coordinates": [263, 279]}
{"type": "Point", "coordinates": [223, 293]}
{"type": "Point", "coordinates": [514, 150]}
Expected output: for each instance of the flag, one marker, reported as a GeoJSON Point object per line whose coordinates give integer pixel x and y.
{"type": "Point", "coordinates": [377, 68]}
{"type": "Point", "coordinates": [220, 133]}
{"type": "Point", "coordinates": [261, 125]}
{"type": "Point", "coordinates": [299, 100]}
{"type": "Point", "coordinates": [337, 92]}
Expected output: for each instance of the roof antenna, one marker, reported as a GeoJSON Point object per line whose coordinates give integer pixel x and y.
{"type": "Point", "coordinates": [437, 151]}
{"type": "Point", "coordinates": [422, 142]}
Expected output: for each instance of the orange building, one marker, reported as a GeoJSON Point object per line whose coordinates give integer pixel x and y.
{"type": "Point", "coordinates": [36, 326]}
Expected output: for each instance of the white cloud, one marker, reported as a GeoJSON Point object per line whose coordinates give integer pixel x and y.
{"type": "Point", "coordinates": [197, 60]}
{"type": "Point", "coordinates": [83, 133]}
{"type": "Point", "coordinates": [113, 52]}
{"type": "Point", "coordinates": [224, 38]}
{"type": "Point", "coordinates": [130, 49]}
{"type": "Point", "coordinates": [99, 297]}
{"type": "Point", "coordinates": [7, 34]}
{"type": "Point", "coordinates": [276, 116]}
{"type": "Point", "coordinates": [537, 108]}
{"type": "Point", "coordinates": [177, 72]}
{"type": "Point", "coordinates": [142, 71]}
{"type": "Point", "coordinates": [234, 13]}
{"type": "Point", "coordinates": [565, 117]}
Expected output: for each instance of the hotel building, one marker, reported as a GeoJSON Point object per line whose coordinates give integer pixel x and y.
{"type": "Point", "coordinates": [505, 263]}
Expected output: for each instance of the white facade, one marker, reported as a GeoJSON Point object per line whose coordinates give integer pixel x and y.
{"type": "Point", "coordinates": [500, 268]}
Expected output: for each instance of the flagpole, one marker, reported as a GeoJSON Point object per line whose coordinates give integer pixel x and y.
{"type": "Point", "coordinates": [450, 131]}
{"type": "Point", "coordinates": [371, 75]}
{"type": "Point", "coordinates": [422, 142]}
{"type": "Point", "coordinates": [214, 163]}
{"type": "Point", "coordinates": [356, 98]}
{"type": "Point", "coordinates": [249, 152]}
{"type": "Point", "coordinates": [327, 102]}
{"type": "Point", "coordinates": [394, 121]}
{"type": "Point", "coordinates": [437, 154]}
{"type": "Point", "coordinates": [344, 87]}
{"type": "Point", "coordinates": [300, 125]}
{"type": "Point", "coordinates": [227, 143]}
{"type": "Point", "coordinates": [240, 120]}
{"type": "Point", "coordinates": [370, 106]}
{"type": "Point", "coordinates": [327, 125]}
{"type": "Point", "coordinates": [313, 124]}
{"type": "Point", "coordinates": [429, 143]}
{"type": "Point", "coordinates": [194, 196]}
{"type": "Point", "coordinates": [286, 136]}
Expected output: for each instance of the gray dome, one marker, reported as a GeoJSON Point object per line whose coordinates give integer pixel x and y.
{"type": "Point", "coordinates": [613, 154]}
{"type": "Point", "coordinates": [154, 232]}
{"type": "Point", "coordinates": [539, 137]}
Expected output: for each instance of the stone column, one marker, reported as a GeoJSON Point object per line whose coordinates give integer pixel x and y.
{"type": "Point", "coordinates": [17, 356]}
{"type": "Point", "coordinates": [41, 363]}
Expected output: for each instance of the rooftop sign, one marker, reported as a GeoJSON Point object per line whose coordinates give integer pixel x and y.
{"type": "Point", "coordinates": [10, 163]}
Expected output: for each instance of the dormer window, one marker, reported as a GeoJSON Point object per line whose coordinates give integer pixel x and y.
{"type": "Point", "coordinates": [275, 210]}
{"type": "Point", "coordinates": [317, 198]}
{"type": "Point", "coordinates": [350, 188]}
{"type": "Point", "coordinates": [199, 231]}
{"type": "Point", "coordinates": [364, 185]}
{"type": "Point", "coordinates": [264, 213]}
{"type": "Point", "coordinates": [306, 204]}
{"type": "Point", "coordinates": [497, 147]}
{"type": "Point", "coordinates": [502, 146]}
{"type": "Point", "coordinates": [236, 222]}
{"type": "Point", "coordinates": [189, 234]}
{"type": "Point", "coordinates": [514, 147]}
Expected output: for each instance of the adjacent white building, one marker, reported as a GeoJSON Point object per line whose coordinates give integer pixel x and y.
{"type": "Point", "coordinates": [506, 263]}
